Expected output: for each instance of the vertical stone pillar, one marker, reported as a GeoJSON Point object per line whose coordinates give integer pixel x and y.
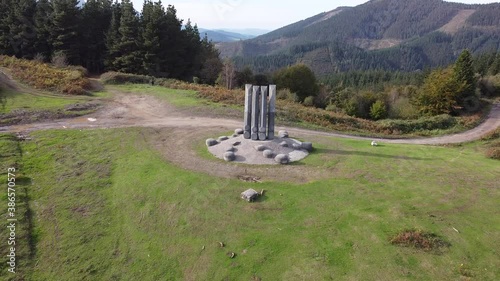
{"type": "Point", "coordinates": [255, 113]}
{"type": "Point", "coordinates": [247, 124]}
{"type": "Point", "coordinates": [263, 113]}
{"type": "Point", "coordinates": [272, 112]}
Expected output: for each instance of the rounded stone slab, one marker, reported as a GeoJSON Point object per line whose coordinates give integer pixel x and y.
{"type": "Point", "coordinates": [283, 144]}
{"type": "Point", "coordinates": [283, 134]}
{"type": "Point", "coordinates": [239, 131]}
{"type": "Point", "coordinates": [231, 149]}
{"type": "Point", "coordinates": [211, 142]}
{"type": "Point", "coordinates": [260, 148]}
{"type": "Point", "coordinates": [307, 146]}
{"type": "Point", "coordinates": [223, 138]}
{"type": "Point", "coordinates": [229, 156]}
{"type": "Point", "coordinates": [282, 159]}
{"type": "Point", "coordinates": [236, 143]}
{"type": "Point", "coordinates": [268, 153]}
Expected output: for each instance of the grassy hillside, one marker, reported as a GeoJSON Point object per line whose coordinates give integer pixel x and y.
{"type": "Point", "coordinates": [107, 206]}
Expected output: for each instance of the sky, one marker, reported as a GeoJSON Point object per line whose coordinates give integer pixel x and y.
{"type": "Point", "coordinates": [262, 14]}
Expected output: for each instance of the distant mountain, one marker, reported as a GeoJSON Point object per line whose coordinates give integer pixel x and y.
{"type": "Point", "coordinates": [249, 31]}
{"type": "Point", "coordinates": [224, 36]}
{"type": "Point", "coordinates": [380, 34]}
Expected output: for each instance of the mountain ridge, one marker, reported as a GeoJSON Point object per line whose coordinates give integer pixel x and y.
{"type": "Point", "coordinates": [412, 35]}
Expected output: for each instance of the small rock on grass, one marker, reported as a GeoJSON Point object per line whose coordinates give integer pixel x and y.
{"type": "Point", "coordinates": [239, 131]}
{"type": "Point", "coordinates": [211, 142]}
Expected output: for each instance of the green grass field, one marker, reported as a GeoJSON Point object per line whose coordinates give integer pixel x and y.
{"type": "Point", "coordinates": [176, 97]}
{"type": "Point", "coordinates": [12, 101]}
{"type": "Point", "coordinates": [104, 205]}
{"type": "Point", "coordinates": [21, 107]}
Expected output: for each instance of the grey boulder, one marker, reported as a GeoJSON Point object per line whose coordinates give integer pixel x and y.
{"type": "Point", "coordinates": [229, 156]}
{"type": "Point", "coordinates": [282, 159]}
{"type": "Point", "coordinates": [307, 146]}
{"type": "Point", "coordinates": [211, 142]}
{"type": "Point", "coordinates": [268, 153]}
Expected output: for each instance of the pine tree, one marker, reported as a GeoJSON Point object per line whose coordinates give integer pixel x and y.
{"type": "Point", "coordinates": [192, 53]}
{"type": "Point", "coordinates": [42, 21]}
{"type": "Point", "coordinates": [173, 50]}
{"type": "Point", "coordinates": [64, 31]}
{"type": "Point", "coordinates": [211, 62]}
{"type": "Point", "coordinates": [152, 18]}
{"type": "Point", "coordinates": [113, 37]}
{"type": "Point", "coordinates": [464, 74]}
{"type": "Point", "coordinates": [6, 18]}
{"type": "Point", "coordinates": [95, 13]}
{"type": "Point", "coordinates": [495, 66]}
{"type": "Point", "coordinates": [129, 47]}
{"type": "Point", "coordinates": [22, 30]}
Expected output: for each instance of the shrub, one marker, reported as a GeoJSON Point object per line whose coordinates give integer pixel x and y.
{"type": "Point", "coordinates": [440, 122]}
{"type": "Point", "coordinates": [286, 94]}
{"type": "Point", "coordinates": [196, 80]}
{"type": "Point", "coordinates": [492, 135]}
{"type": "Point", "coordinates": [419, 239]}
{"type": "Point", "coordinates": [39, 58]}
{"type": "Point", "coordinates": [402, 108]}
{"type": "Point", "coordinates": [493, 152]}
{"type": "Point", "coordinates": [299, 79]}
{"type": "Point", "coordinates": [490, 86]}
{"type": "Point", "coordinates": [309, 101]}
{"type": "Point", "coordinates": [122, 78]}
{"type": "Point", "coordinates": [59, 59]}
{"type": "Point", "coordinates": [378, 110]}
{"type": "Point", "coordinates": [46, 77]}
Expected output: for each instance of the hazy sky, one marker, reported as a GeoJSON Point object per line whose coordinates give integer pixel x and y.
{"type": "Point", "coordinates": [265, 14]}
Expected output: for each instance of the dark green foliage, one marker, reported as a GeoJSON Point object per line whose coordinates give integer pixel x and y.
{"type": "Point", "coordinates": [299, 79]}
{"type": "Point", "coordinates": [245, 77]}
{"type": "Point", "coordinates": [440, 93]}
{"type": "Point", "coordinates": [494, 68]}
{"type": "Point", "coordinates": [113, 36]}
{"type": "Point", "coordinates": [66, 19]}
{"type": "Point", "coordinates": [97, 14]}
{"type": "Point", "coordinates": [173, 50]}
{"type": "Point", "coordinates": [43, 25]}
{"type": "Point", "coordinates": [211, 63]}
{"type": "Point", "coordinates": [152, 16]}
{"type": "Point", "coordinates": [378, 110]}
{"type": "Point", "coordinates": [463, 72]}
{"type": "Point", "coordinates": [102, 35]}
{"type": "Point", "coordinates": [129, 46]}
{"type": "Point", "coordinates": [439, 122]}
{"type": "Point", "coordinates": [122, 78]}
{"type": "Point", "coordinates": [22, 30]}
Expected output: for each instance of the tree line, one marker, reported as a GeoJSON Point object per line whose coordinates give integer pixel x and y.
{"type": "Point", "coordinates": [103, 35]}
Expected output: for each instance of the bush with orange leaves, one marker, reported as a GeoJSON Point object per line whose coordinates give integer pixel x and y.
{"type": "Point", "coordinates": [70, 80]}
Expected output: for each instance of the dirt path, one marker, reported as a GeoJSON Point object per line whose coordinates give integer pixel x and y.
{"type": "Point", "coordinates": [177, 134]}
{"type": "Point", "coordinates": [130, 110]}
